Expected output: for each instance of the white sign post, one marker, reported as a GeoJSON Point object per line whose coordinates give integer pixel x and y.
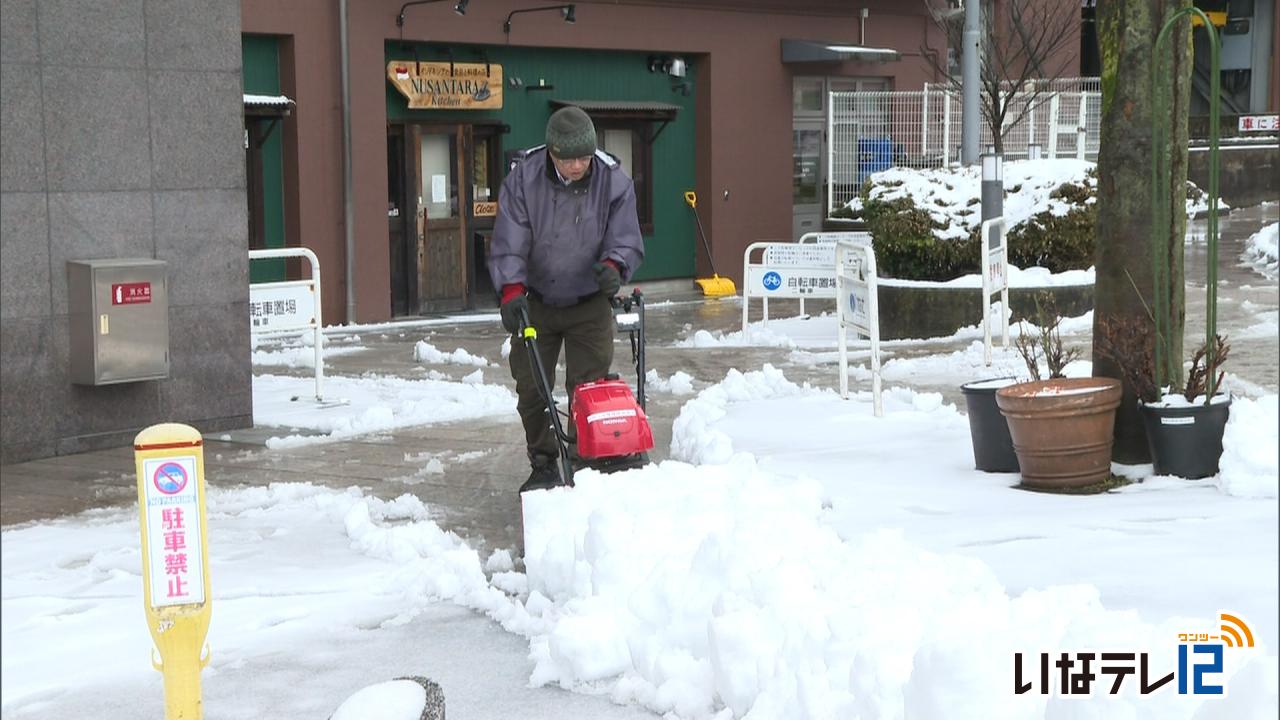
{"type": "Point", "coordinates": [790, 270]}
{"type": "Point", "coordinates": [858, 309]}
{"type": "Point", "coordinates": [833, 237]}
{"type": "Point", "coordinates": [169, 459]}
{"type": "Point", "coordinates": [995, 278]}
{"type": "Point", "coordinates": [289, 305]}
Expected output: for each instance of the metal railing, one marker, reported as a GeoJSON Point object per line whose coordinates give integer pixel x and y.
{"type": "Point", "coordinates": [873, 131]}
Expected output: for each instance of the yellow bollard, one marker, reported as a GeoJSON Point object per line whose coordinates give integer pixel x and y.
{"type": "Point", "coordinates": [175, 559]}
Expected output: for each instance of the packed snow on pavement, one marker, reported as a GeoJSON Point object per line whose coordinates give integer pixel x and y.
{"type": "Point", "coordinates": [796, 558]}
{"type": "Point", "coordinates": [1261, 250]}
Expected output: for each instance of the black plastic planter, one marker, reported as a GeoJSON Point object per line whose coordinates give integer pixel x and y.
{"type": "Point", "coordinates": [1186, 441]}
{"type": "Point", "coordinates": [992, 446]}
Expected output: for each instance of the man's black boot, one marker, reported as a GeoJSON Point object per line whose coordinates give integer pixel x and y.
{"type": "Point", "coordinates": [544, 474]}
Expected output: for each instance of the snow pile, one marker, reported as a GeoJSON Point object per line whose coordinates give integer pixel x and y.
{"type": "Point", "coordinates": [1261, 250]}
{"type": "Point", "coordinates": [300, 357]}
{"type": "Point", "coordinates": [680, 383]}
{"type": "Point", "coordinates": [375, 404]}
{"type": "Point", "coordinates": [692, 437]}
{"type": "Point", "coordinates": [391, 700]}
{"type": "Point", "coordinates": [425, 352]}
{"type": "Point", "coordinates": [745, 598]}
{"type": "Point", "coordinates": [1249, 467]}
{"type": "Point", "coordinates": [849, 566]}
{"type": "Point", "coordinates": [1032, 277]}
{"type": "Point", "coordinates": [955, 368]}
{"type": "Point", "coordinates": [756, 335]}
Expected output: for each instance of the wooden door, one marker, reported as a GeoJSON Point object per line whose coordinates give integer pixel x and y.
{"type": "Point", "coordinates": [441, 221]}
{"type": "Point", "coordinates": [402, 238]}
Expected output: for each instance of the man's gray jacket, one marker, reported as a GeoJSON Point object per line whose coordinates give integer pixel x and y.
{"type": "Point", "coordinates": [548, 235]}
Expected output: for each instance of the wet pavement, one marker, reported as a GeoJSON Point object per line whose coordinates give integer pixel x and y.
{"type": "Point", "coordinates": [476, 496]}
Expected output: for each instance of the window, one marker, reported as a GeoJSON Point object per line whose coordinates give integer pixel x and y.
{"type": "Point", "coordinates": [626, 130]}
{"type": "Point", "coordinates": [807, 95]}
{"type": "Point", "coordinates": [625, 140]}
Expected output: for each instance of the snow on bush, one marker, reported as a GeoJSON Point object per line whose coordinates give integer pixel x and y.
{"type": "Point", "coordinates": [953, 196]}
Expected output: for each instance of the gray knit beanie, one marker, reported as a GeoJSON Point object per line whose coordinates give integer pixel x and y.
{"type": "Point", "coordinates": [570, 133]}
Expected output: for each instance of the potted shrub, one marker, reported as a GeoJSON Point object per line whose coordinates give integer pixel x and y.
{"type": "Point", "coordinates": [1184, 421]}
{"type": "Point", "coordinates": [1061, 427]}
{"type": "Point", "coordinates": [992, 446]}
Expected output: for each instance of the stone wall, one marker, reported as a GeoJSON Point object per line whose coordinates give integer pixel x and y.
{"type": "Point", "coordinates": [1246, 175]}
{"type": "Point", "coordinates": [122, 136]}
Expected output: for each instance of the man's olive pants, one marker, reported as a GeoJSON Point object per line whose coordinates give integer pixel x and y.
{"type": "Point", "coordinates": [586, 331]}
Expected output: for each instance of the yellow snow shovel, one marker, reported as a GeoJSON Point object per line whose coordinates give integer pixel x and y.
{"type": "Point", "coordinates": [714, 286]}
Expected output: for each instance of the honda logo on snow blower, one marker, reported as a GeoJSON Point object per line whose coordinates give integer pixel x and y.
{"type": "Point", "coordinates": [610, 417]}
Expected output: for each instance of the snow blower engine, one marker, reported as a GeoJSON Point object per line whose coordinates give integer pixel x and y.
{"type": "Point", "coordinates": [610, 427]}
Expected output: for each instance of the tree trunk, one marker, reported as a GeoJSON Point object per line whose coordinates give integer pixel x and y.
{"type": "Point", "coordinates": [1127, 32]}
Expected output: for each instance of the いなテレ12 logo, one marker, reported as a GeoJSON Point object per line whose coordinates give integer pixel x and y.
{"type": "Point", "coordinates": [1199, 670]}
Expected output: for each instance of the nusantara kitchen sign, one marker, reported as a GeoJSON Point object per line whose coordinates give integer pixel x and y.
{"type": "Point", "coordinates": [447, 86]}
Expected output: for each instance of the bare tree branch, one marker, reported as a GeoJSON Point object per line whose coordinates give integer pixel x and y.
{"type": "Point", "coordinates": [1020, 49]}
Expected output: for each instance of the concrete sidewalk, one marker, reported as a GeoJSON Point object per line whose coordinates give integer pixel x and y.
{"type": "Point", "coordinates": [477, 499]}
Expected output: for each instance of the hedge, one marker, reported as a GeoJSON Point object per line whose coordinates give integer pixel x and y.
{"type": "Point", "coordinates": [906, 246]}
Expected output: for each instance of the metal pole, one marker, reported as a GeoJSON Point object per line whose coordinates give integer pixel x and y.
{"type": "Point", "coordinates": [969, 74]}
{"type": "Point", "coordinates": [992, 187]}
{"type": "Point", "coordinates": [348, 205]}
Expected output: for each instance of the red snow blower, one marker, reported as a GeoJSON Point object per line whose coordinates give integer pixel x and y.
{"type": "Point", "coordinates": [611, 428]}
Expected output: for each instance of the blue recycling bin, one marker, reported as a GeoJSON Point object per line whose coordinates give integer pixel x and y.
{"type": "Point", "coordinates": [874, 155]}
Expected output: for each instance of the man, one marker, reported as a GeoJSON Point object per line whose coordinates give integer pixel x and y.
{"type": "Point", "coordinates": [566, 237]}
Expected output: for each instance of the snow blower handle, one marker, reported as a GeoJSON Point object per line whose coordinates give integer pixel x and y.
{"type": "Point", "coordinates": [529, 335]}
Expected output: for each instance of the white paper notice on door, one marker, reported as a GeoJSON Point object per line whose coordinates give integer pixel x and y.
{"type": "Point", "coordinates": [438, 191]}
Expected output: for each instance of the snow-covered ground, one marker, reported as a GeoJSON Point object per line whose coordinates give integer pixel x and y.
{"type": "Point", "coordinates": [358, 406]}
{"type": "Point", "coordinates": [798, 558]}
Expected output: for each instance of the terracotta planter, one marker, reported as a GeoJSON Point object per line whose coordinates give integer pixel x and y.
{"type": "Point", "coordinates": [1062, 429]}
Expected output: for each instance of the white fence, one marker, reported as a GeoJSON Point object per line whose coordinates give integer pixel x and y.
{"type": "Point", "coordinates": [872, 131]}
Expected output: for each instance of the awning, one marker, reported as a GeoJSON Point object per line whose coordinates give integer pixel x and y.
{"type": "Point", "coordinates": [650, 110]}
{"type": "Point", "coordinates": [638, 109]}
{"type": "Point", "coordinates": [271, 106]}
{"type": "Point", "coordinates": [798, 51]}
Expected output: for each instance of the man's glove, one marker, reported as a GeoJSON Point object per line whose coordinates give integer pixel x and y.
{"type": "Point", "coordinates": [514, 305]}
{"type": "Point", "coordinates": [607, 277]}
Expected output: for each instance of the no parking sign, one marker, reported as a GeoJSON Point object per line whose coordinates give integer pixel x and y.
{"type": "Point", "coordinates": [175, 559]}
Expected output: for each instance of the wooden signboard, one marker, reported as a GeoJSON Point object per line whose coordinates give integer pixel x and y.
{"type": "Point", "coordinates": [484, 208]}
{"type": "Point", "coordinates": [447, 86]}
